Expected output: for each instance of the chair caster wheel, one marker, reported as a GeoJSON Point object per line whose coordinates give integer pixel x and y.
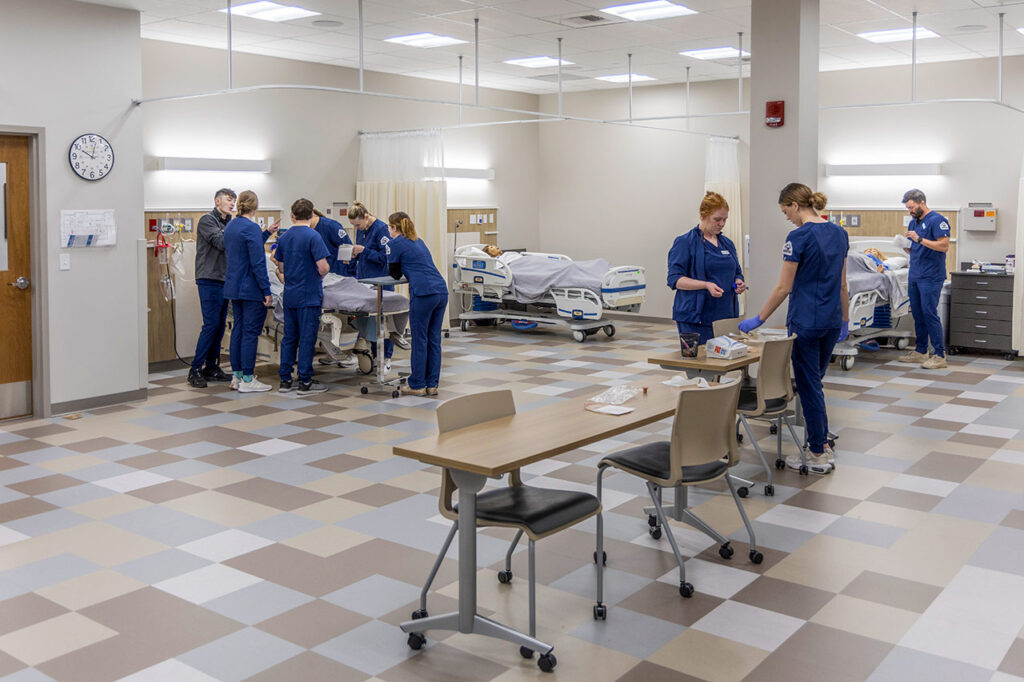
{"type": "Point", "coordinates": [364, 390]}
{"type": "Point", "coordinates": [547, 662]}
{"type": "Point", "coordinates": [395, 394]}
{"type": "Point", "coordinates": [742, 491]}
{"type": "Point", "coordinates": [769, 490]}
{"type": "Point", "coordinates": [655, 533]}
{"type": "Point", "coordinates": [447, 335]}
{"type": "Point", "coordinates": [652, 520]}
{"type": "Point", "coordinates": [726, 551]}
{"type": "Point", "coordinates": [525, 652]}
{"type": "Point", "coordinates": [804, 470]}
{"type": "Point", "coordinates": [756, 557]}
{"type": "Point", "coordinates": [773, 429]}
{"type": "Point", "coordinates": [604, 557]}
{"type": "Point", "coordinates": [686, 589]}
{"type": "Point", "coordinates": [419, 613]}
{"type": "Point", "coordinates": [600, 612]}
{"type": "Point", "coordinates": [739, 437]}
{"type": "Point", "coordinates": [780, 464]}
{"type": "Point", "coordinates": [504, 577]}
{"type": "Point", "coordinates": [416, 640]}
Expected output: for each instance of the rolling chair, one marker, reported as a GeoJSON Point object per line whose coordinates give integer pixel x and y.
{"type": "Point", "coordinates": [702, 449]}
{"type": "Point", "coordinates": [537, 512]}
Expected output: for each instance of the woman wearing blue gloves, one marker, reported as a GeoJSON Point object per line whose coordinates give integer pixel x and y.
{"type": "Point", "coordinates": [814, 278]}
{"type": "Point", "coordinates": [705, 272]}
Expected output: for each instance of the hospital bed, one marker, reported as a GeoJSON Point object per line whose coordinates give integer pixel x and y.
{"type": "Point", "coordinates": [546, 289]}
{"type": "Point", "coordinates": [879, 302]}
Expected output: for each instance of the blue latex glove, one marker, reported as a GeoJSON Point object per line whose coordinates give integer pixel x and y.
{"type": "Point", "coordinates": [750, 324]}
{"type": "Point", "coordinates": [844, 331]}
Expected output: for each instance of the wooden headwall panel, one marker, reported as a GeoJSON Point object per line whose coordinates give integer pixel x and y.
{"type": "Point", "coordinates": [886, 223]}
{"type": "Point", "coordinates": [488, 229]}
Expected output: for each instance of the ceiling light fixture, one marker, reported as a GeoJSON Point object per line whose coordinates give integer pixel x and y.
{"type": "Point", "coordinates": [645, 11]}
{"type": "Point", "coordinates": [424, 40]}
{"type": "Point", "coordinates": [624, 78]}
{"type": "Point", "coordinates": [715, 53]}
{"type": "Point", "coordinates": [897, 35]}
{"type": "Point", "coordinates": [1021, 31]}
{"type": "Point", "coordinates": [537, 62]}
{"type": "Point", "coordinates": [270, 11]}
{"type": "Point", "coordinates": [326, 23]}
{"type": "Point", "coordinates": [883, 169]}
{"type": "Point", "coordinates": [970, 28]}
{"type": "Point", "coordinates": [178, 163]}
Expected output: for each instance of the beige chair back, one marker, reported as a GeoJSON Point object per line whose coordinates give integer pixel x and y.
{"type": "Point", "coordinates": [704, 428]}
{"type": "Point", "coordinates": [773, 375]}
{"type": "Point", "coordinates": [467, 410]}
{"type": "Point", "coordinates": [730, 325]}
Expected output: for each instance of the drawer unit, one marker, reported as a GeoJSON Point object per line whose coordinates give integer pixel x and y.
{"type": "Point", "coordinates": [981, 312]}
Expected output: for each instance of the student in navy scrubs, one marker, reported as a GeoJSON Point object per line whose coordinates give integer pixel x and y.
{"type": "Point", "coordinates": [301, 257]}
{"type": "Point", "coordinates": [428, 300]}
{"type": "Point", "coordinates": [371, 260]}
{"type": "Point", "coordinates": [928, 233]}
{"type": "Point", "coordinates": [334, 235]}
{"type": "Point", "coordinates": [814, 277]}
{"type": "Point", "coordinates": [705, 272]}
{"type": "Point", "coordinates": [247, 287]}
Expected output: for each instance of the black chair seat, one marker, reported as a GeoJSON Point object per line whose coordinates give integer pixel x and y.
{"type": "Point", "coordinates": [652, 459]}
{"type": "Point", "coordinates": [748, 401]}
{"type": "Point", "coordinates": [538, 509]}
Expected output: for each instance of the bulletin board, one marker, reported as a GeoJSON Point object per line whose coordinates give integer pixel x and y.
{"type": "Point", "coordinates": [888, 222]}
{"type": "Point", "coordinates": [161, 322]}
{"type": "Point", "coordinates": [473, 226]}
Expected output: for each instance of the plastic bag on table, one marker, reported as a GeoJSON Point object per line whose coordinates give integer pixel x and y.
{"type": "Point", "coordinates": [616, 395]}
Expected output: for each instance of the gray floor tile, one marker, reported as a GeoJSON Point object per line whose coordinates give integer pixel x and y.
{"type": "Point", "coordinates": [278, 431]}
{"type": "Point", "coordinates": [282, 527]}
{"type": "Point", "coordinates": [629, 632]}
{"type": "Point", "coordinates": [258, 602]}
{"type": "Point", "coordinates": [374, 596]}
{"type": "Point", "coordinates": [44, 455]}
{"type": "Point", "coordinates": [388, 469]}
{"type": "Point", "coordinates": [867, 532]}
{"type": "Point", "coordinates": [347, 429]}
{"type": "Point", "coordinates": [240, 655]}
{"type": "Point", "coordinates": [161, 566]}
{"type": "Point", "coordinates": [1002, 551]}
{"type": "Point", "coordinates": [102, 471]}
{"type": "Point", "coordinates": [39, 574]}
{"type": "Point", "coordinates": [617, 584]}
{"type": "Point", "coordinates": [859, 459]}
{"type": "Point", "coordinates": [48, 522]}
{"type": "Point", "coordinates": [979, 504]}
{"type": "Point", "coordinates": [182, 469]}
{"type": "Point", "coordinates": [774, 536]}
{"type": "Point", "coordinates": [372, 648]}
{"type": "Point", "coordinates": [273, 469]}
{"type": "Point", "coordinates": [907, 665]}
{"type": "Point", "coordinates": [193, 450]}
{"type": "Point", "coordinates": [165, 525]}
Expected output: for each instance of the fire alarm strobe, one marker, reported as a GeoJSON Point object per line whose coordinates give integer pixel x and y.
{"type": "Point", "coordinates": [774, 114]}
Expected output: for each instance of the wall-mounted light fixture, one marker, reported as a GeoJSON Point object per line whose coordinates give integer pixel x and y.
{"type": "Point", "coordinates": [884, 169]}
{"type": "Point", "coordinates": [178, 163]}
{"type": "Point", "coordinates": [462, 173]}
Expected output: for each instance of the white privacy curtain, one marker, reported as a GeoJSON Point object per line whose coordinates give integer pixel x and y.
{"type": "Point", "coordinates": [397, 172]}
{"type": "Point", "coordinates": [722, 175]}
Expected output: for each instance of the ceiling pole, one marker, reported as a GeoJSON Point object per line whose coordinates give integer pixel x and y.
{"type": "Point", "coordinates": [476, 49]}
{"type": "Point", "coordinates": [361, 63]}
{"type": "Point", "coordinates": [560, 77]}
{"type": "Point", "coordinates": [739, 76]}
{"type": "Point", "coordinates": [913, 61]}
{"type": "Point", "coordinates": [460, 89]}
{"type": "Point", "coordinates": [1002, 16]}
{"type": "Point", "coordinates": [229, 44]}
{"type": "Point", "coordinates": [687, 97]}
{"type": "Point", "coordinates": [629, 65]}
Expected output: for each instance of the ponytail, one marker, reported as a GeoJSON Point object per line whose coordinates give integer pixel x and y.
{"type": "Point", "coordinates": [403, 224]}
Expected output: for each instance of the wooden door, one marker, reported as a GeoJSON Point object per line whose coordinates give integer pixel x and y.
{"type": "Point", "coordinates": [15, 284]}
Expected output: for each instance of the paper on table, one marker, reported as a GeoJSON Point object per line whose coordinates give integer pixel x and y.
{"type": "Point", "coordinates": [678, 380]}
{"type": "Point", "coordinates": [610, 409]}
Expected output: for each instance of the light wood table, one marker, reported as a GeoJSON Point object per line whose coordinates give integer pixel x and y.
{"type": "Point", "coordinates": [708, 367]}
{"type": "Point", "coordinates": [499, 446]}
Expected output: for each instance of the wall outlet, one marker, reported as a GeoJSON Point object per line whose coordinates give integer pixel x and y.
{"type": "Point", "coordinates": [65, 261]}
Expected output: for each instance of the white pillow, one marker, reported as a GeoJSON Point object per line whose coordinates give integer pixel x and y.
{"type": "Point", "coordinates": [896, 262]}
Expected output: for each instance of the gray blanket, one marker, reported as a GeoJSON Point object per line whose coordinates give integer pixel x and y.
{"type": "Point", "coordinates": [532, 276]}
{"type": "Point", "coordinates": [862, 275]}
{"type": "Point", "coordinates": [344, 294]}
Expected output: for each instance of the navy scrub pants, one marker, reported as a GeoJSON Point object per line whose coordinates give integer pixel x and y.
{"type": "Point", "coordinates": [812, 352]}
{"type": "Point", "coordinates": [215, 312]}
{"type": "Point", "coordinates": [426, 317]}
{"type": "Point", "coordinates": [706, 331]}
{"type": "Point", "coordinates": [249, 318]}
{"type": "Point", "coordinates": [924, 306]}
{"type": "Point", "coordinates": [300, 329]}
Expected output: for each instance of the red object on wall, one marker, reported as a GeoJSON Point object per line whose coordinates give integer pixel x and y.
{"type": "Point", "coordinates": [774, 113]}
{"type": "Point", "coordinates": [152, 224]}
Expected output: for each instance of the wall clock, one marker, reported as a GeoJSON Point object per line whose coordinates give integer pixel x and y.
{"type": "Point", "coordinates": [91, 156]}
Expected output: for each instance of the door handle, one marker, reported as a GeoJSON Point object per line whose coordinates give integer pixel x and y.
{"type": "Point", "coordinates": [21, 283]}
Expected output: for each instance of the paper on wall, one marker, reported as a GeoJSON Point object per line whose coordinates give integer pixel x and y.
{"type": "Point", "coordinates": [80, 228]}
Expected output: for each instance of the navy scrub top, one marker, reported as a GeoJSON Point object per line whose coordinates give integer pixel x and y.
{"type": "Point", "coordinates": [373, 261]}
{"type": "Point", "coordinates": [334, 235]}
{"type": "Point", "coordinates": [246, 275]}
{"type": "Point", "coordinates": [299, 250]}
{"type": "Point", "coordinates": [928, 265]}
{"type": "Point", "coordinates": [417, 266]}
{"type": "Point", "coordinates": [820, 250]}
{"type": "Point", "coordinates": [695, 257]}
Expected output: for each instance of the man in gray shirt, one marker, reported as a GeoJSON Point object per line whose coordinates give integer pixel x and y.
{"type": "Point", "coordinates": [210, 268]}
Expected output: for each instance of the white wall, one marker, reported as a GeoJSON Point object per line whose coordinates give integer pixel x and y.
{"type": "Point", "coordinates": [73, 68]}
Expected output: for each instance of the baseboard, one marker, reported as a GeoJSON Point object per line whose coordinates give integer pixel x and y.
{"type": "Point", "coordinates": [85, 404]}
{"type": "Point", "coordinates": [167, 365]}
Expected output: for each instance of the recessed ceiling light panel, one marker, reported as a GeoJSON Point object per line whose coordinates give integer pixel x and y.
{"type": "Point", "coordinates": [537, 62]}
{"type": "Point", "coordinates": [970, 28]}
{"type": "Point", "coordinates": [424, 40]}
{"type": "Point", "coordinates": [270, 11]}
{"type": "Point", "coordinates": [897, 35]}
{"type": "Point", "coordinates": [326, 23]}
{"type": "Point", "coordinates": [715, 53]}
{"type": "Point", "coordinates": [624, 78]}
{"type": "Point", "coordinates": [644, 11]}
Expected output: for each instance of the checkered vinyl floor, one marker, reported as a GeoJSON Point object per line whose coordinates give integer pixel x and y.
{"type": "Point", "coordinates": [207, 535]}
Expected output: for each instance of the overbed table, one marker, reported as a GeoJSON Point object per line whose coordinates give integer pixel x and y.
{"type": "Point", "coordinates": [493, 448]}
{"type": "Point", "coordinates": [394, 383]}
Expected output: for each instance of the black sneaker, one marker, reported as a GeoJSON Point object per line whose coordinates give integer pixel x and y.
{"type": "Point", "coordinates": [215, 373]}
{"type": "Point", "coordinates": [285, 387]}
{"type": "Point", "coordinates": [195, 378]}
{"type": "Point", "coordinates": [311, 387]}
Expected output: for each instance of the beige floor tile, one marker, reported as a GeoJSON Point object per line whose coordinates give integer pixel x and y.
{"type": "Point", "coordinates": [327, 541]}
{"type": "Point", "coordinates": [826, 563]}
{"type": "Point", "coordinates": [102, 543]}
{"type": "Point", "coordinates": [934, 550]}
{"type": "Point", "coordinates": [577, 659]}
{"type": "Point", "coordinates": [866, 618]}
{"type": "Point", "coordinates": [999, 476]}
{"type": "Point", "coordinates": [72, 463]}
{"type": "Point", "coordinates": [105, 507]}
{"type": "Point", "coordinates": [887, 514]}
{"type": "Point", "coordinates": [338, 484]}
{"type": "Point", "coordinates": [377, 453]}
{"type": "Point", "coordinates": [850, 481]}
{"type": "Point", "coordinates": [420, 481]}
{"type": "Point", "coordinates": [217, 478]}
{"type": "Point", "coordinates": [721, 513]}
{"type": "Point", "coordinates": [378, 436]}
{"type": "Point", "coordinates": [90, 589]}
{"type": "Point", "coordinates": [333, 510]}
{"type": "Point", "coordinates": [896, 446]}
{"type": "Point", "coordinates": [55, 637]}
{"type": "Point", "coordinates": [272, 419]}
{"type": "Point", "coordinates": [221, 508]}
{"type": "Point", "coordinates": [708, 657]}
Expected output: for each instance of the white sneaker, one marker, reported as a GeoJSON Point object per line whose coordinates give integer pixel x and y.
{"type": "Point", "coordinates": [254, 386]}
{"type": "Point", "coordinates": [235, 381]}
{"type": "Point", "coordinates": [400, 341]}
{"type": "Point", "coordinates": [914, 357]}
{"type": "Point", "coordinates": [830, 455]}
{"type": "Point", "coordinates": [816, 464]}
{"type": "Point", "coordinates": [387, 365]}
{"type": "Point", "coordinates": [348, 360]}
